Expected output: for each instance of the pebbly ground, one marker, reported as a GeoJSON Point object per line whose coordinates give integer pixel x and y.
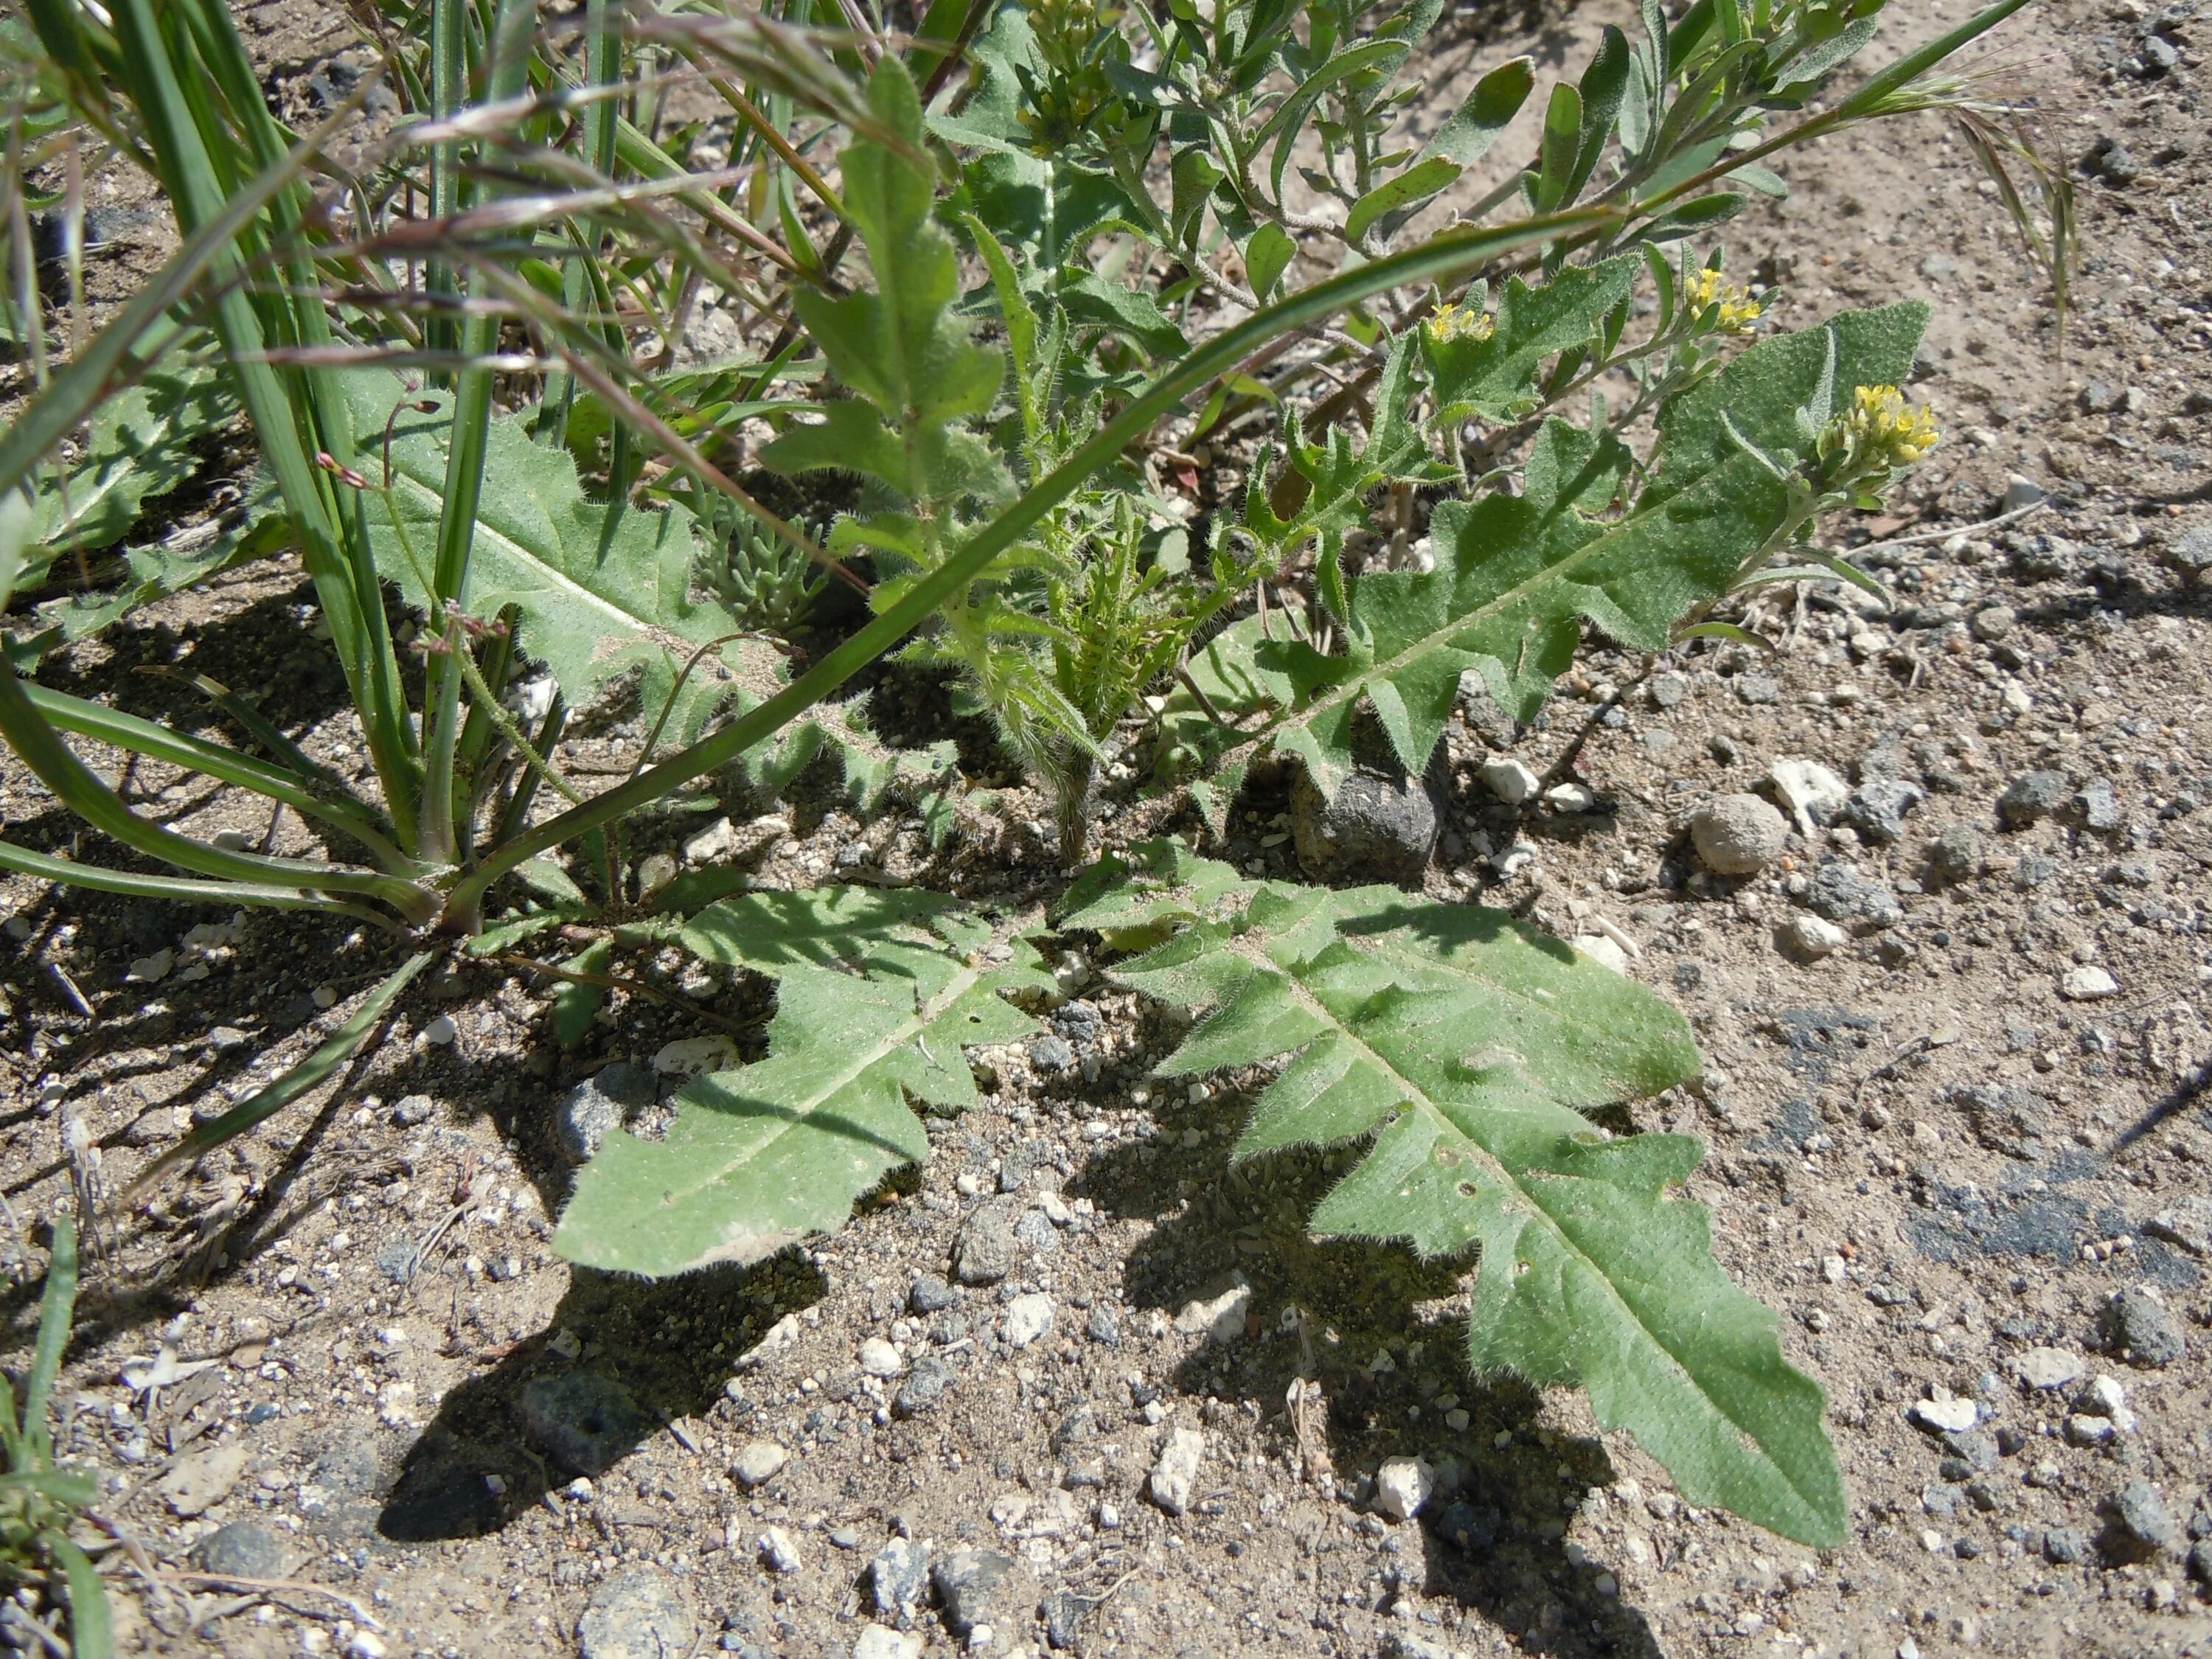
{"type": "Point", "coordinates": [1077, 1382]}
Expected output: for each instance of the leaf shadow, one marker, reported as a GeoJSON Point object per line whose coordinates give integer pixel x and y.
{"type": "Point", "coordinates": [1379, 1330]}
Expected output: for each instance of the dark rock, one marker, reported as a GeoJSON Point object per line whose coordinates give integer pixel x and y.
{"type": "Point", "coordinates": [898, 1578]}
{"type": "Point", "coordinates": [1974, 1448]}
{"type": "Point", "coordinates": [243, 1549]}
{"type": "Point", "coordinates": [2138, 1526]}
{"type": "Point", "coordinates": [1877, 809]}
{"type": "Point", "coordinates": [924, 1387]}
{"type": "Point", "coordinates": [1758, 689]}
{"type": "Point", "coordinates": [986, 1249]}
{"type": "Point", "coordinates": [2033, 796]}
{"type": "Point", "coordinates": [2140, 1331]}
{"type": "Point", "coordinates": [971, 1586]}
{"type": "Point", "coordinates": [640, 1614]}
{"type": "Point", "coordinates": [1845, 896]}
{"type": "Point", "coordinates": [585, 1421]}
{"type": "Point", "coordinates": [1471, 1527]}
{"type": "Point", "coordinates": [2111, 160]}
{"type": "Point", "coordinates": [930, 1295]}
{"type": "Point", "coordinates": [1103, 1327]}
{"type": "Point", "coordinates": [1485, 715]}
{"type": "Point", "coordinates": [2065, 1546]}
{"type": "Point", "coordinates": [2191, 554]}
{"type": "Point", "coordinates": [1051, 1052]}
{"type": "Point", "coordinates": [1666, 690]}
{"type": "Point", "coordinates": [1035, 1233]}
{"type": "Point", "coordinates": [1077, 1426]}
{"type": "Point", "coordinates": [397, 1257]}
{"type": "Point", "coordinates": [1955, 856]}
{"type": "Point", "coordinates": [413, 1109]}
{"type": "Point", "coordinates": [585, 1116]}
{"type": "Point", "coordinates": [2033, 870]}
{"type": "Point", "coordinates": [1377, 827]}
{"type": "Point", "coordinates": [1064, 1612]}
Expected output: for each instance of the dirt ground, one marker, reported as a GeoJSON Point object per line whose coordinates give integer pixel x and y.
{"type": "Point", "coordinates": [1965, 1156]}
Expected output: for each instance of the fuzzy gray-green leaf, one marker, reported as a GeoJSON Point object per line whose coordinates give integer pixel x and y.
{"type": "Point", "coordinates": [1464, 1048]}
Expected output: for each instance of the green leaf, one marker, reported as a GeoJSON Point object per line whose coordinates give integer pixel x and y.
{"type": "Point", "coordinates": [1518, 576]}
{"type": "Point", "coordinates": [1482, 119]}
{"type": "Point", "coordinates": [92, 1634]}
{"type": "Point", "coordinates": [577, 1002]}
{"type": "Point", "coordinates": [599, 591]}
{"type": "Point", "coordinates": [1267, 257]}
{"type": "Point", "coordinates": [1462, 1048]}
{"type": "Point", "coordinates": [902, 346]}
{"type": "Point", "coordinates": [877, 992]}
{"type": "Point", "coordinates": [1493, 377]}
{"type": "Point", "coordinates": [1409, 190]}
{"type": "Point", "coordinates": [1563, 127]}
{"type": "Point", "coordinates": [142, 443]}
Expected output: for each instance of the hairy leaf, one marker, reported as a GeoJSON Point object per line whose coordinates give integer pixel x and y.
{"type": "Point", "coordinates": [1492, 375]}
{"type": "Point", "coordinates": [1518, 576]}
{"type": "Point", "coordinates": [1464, 1048]}
{"type": "Point", "coordinates": [877, 994]}
{"type": "Point", "coordinates": [142, 443]}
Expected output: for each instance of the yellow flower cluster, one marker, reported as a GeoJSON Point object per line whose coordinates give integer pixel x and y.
{"type": "Point", "coordinates": [1883, 428]}
{"type": "Point", "coordinates": [1739, 311]}
{"type": "Point", "coordinates": [1457, 322]}
{"type": "Point", "coordinates": [1074, 37]}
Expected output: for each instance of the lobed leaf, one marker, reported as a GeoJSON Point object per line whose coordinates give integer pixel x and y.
{"type": "Point", "coordinates": [877, 992]}
{"type": "Point", "coordinates": [1463, 1048]}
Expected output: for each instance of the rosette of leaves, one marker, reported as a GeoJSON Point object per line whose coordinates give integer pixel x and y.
{"type": "Point", "coordinates": [1463, 1050]}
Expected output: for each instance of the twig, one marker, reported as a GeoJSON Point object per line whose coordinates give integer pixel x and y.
{"type": "Point", "coordinates": [1204, 702]}
{"type": "Point", "coordinates": [279, 1586]}
{"type": "Point", "coordinates": [1918, 537]}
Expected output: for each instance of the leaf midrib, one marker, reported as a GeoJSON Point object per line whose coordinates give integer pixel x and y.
{"type": "Point", "coordinates": [1421, 1101]}
{"type": "Point", "coordinates": [1351, 689]}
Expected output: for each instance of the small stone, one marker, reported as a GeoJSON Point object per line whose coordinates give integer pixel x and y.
{"type": "Point", "coordinates": [1994, 623]}
{"type": "Point", "coordinates": [1572, 797]}
{"type": "Point", "coordinates": [758, 1462]}
{"type": "Point", "coordinates": [924, 1387]}
{"type": "Point", "coordinates": [2083, 1429]}
{"type": "Point", "coordinates": [1738, 834]}
{"type": "Point", "coordinates": [986, 1250]}
{"type": "Point", "coordinates": [1877, 809]}
{"type": "Point", "coordinates": [413, 1109]}
{"type": "Point", "coordinates": [1064, 1612]}
{"type": "Point", "coordinates": [1034, 1232]}
{"type": "Point", "coordinates": [879, 1358]}
{"type": "Point", "coordinates": [1177, 1471]}
{"type": "Point", "coordinates": [971, 1586]}
{"type": "Point", "coordinates": [1758, 689]}
{"type": "Point", "coordinates": [2191, 554]}
{"type": "Point", "coordinates": [2188, 1224]}
{"type": "Point", "coordinates": [878, 1643]}
{"type": "Point", "coordinates": [655, 872]}
{"type": "Point", "coordinates": [778, 1551]}
{"type": "Point", "coordinates": [1028, 1318]}
{"type": "Point", "coordinates": [585, 1116]}
{"type": "Point", "coordinates": [1103, 1326]}
{"type": "Point", "coordinates": [2099, 806]}
{"type": "Point", "coordinates": [717, 841]}
{"type": "Point", "coordinates": [1510, 780]}
{"type": "Point", "coordinates": [1383, 828]}
{"type": "Point", "coordinates": [1602, 950]}
{"type": "Point", "coordinates": [439, 1032]}
{"type": "Point", "coordinates": [1402, 1484]}
{"type": "Point", "coordinates": [1221, 1317]}
{"type": "Point", "coordinates": [2142, 1332]}
{"type": "Point", "coordinates": [929, 1295]}
{"type": "Point", "coordinates": [2088, 984]}
{"type": "Point", "coordinates": [583, 1420]}
{"type": "Point", "coordinates": [1945, 1413]}
{"type": "Point", "coordinates": [1666, 690]}
{"type": "Point", "coordinates": [1955, 856]}
{"type": "Point", "coordinates": [366, 1645]}
{"type": "Point", "coordinates": [1809, 792]}
{"type": "Point", "coordinates": [1051, 1054]}
{"type": "Point", "coordinates": [1809, 937]}
{"type": "Point", "coordinates": [2031, 798]}
{"type": "Point", "coordinates": [2138, 1525]}
{"type": "Point", "coordinates": [2021, 494]}
{"type": "Point", "coordinates": [1843, 896]}
{"type": "Point", "coordinates": [2065, 1546]}
{"type": "Point", "coordinates": [1936, 267]}
{"type": "Point", "coordinates": [243, 1549]}
{"type": "Point", "coordinates": [640, 1614]}
{"type": "Point", "coordinates": [898, 1578]}
{"type": "Point", "coordinates": [205, 1479]}
{"type": "Point", "coordinates": [2049, 1368]}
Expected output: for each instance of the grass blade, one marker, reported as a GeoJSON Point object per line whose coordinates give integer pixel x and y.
{"type": "Point", "coordinates": [56, 1303]}
{"type": "Point", "coordinates": [92, 1634]}
{"type": "Point", "coordinates": [307, 1075]}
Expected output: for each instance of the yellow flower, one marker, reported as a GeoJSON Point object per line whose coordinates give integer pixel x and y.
{"type": "Point", "coordinates": [1739, 311]}
{"type": "Point", "coordinates": [1883, 428]}
{"type": "Point", "coordinates": [1456, 322]}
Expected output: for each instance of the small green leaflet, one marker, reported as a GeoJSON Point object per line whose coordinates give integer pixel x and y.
{"type": "Point", "coordinates": [1494, 376]}
{"type": "Point", "coordinates": [878, 992]}
{"type": "Point", "coordinates": [1462, 1048]}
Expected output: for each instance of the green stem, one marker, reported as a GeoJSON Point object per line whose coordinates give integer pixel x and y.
{"type": "Point", "coordinates": [1450, 251]}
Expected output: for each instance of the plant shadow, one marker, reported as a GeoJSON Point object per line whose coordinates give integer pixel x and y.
{"type": "Point", "coordinates": [1490, 1543]}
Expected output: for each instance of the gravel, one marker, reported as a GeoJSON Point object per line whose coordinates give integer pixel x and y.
{"type": "Point", "coordinates": [972, 1588]}
{"type": "Point", "coordinates": [243, 1549]}
{"type": "Point", "coordinates": [758, 1462]}
{"type": "Point", "coordinates": [639, 1613]}
{"type": "Point", "coordinates": [898, 1577]}
{"type": "Point", "coordinates": [583, 1420]}
{"type": "Point", "coordinates": [1809, 937]}
{"type": "Point", "coordinates": [585, 1116]}
{"type": "Point", "coordinates": [1738, 834]}
{"type": "Point", "coordinates": [1842, 894]}
{"type": "Point", "coordinates": [1877, 809]}
{"type": "Point", "coordinates": [1402, 1484]}
{"type": "Point", "coordinates": [987, 1248]}
{"type": "Point", "coordinates": [1955, 856]}
{"type": "Point", "coordinates": [2139, 1526]}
